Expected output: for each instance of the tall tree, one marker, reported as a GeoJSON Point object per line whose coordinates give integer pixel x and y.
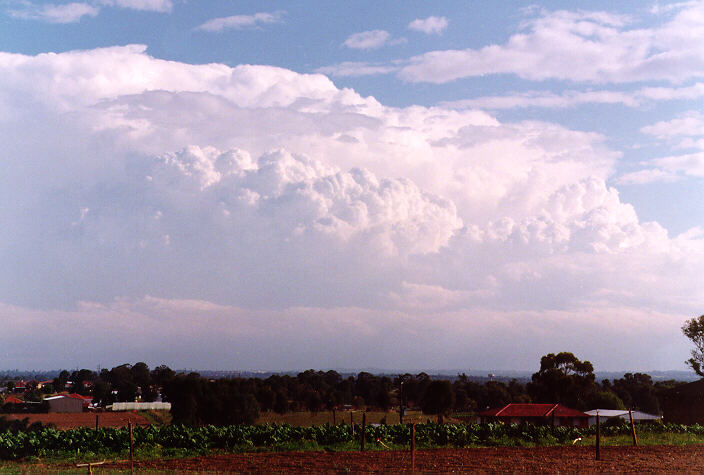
{"type": "Point", "coordinates": [563, 378]}
{"type": "Point", "coordinates": [694, 330]}
{"type": "Point", "coordinates": [438, 399]}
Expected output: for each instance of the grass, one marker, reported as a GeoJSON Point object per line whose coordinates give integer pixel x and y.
{"type": "Point", "coordinates": [157, 418]}
{"type": "Point", "coordinates": [306, 418]}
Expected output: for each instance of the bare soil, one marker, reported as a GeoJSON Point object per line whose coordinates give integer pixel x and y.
{"type": "Point", "coordinates": [483, 460]}
{"type": "Point", "coordinates": [63, 420]}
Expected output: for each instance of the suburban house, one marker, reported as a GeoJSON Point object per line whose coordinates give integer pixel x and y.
{"type": "Point", "coordinates": [68, 403]}
{"type": "Point", "coordinates": [605, 414]}
{"type": "Point", "coordinates": [544, 414]}
{"type": "Point", "coordinates": [13, 400]}
{"type": "Point", "coordinates": [684, 404]}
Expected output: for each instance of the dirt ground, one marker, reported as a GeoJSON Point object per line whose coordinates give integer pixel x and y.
{"type": "Point", "coordinates": [542, 459]}
{"type": "Point", "coordinates": [83, 419]}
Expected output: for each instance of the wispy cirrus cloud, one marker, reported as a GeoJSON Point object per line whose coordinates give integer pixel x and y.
{"type": "Point", "coordinates": [357, 68]}
{"type": "Point", "coordinates": [52, 13]}
{"type": "Point", "coordinates": [573, 98]}
{"type": "Point", "coordinates": [164, 6]}
{"type": "Point", "coordinates": [432, 25]}
{"type": "Point", "coordinates": [371, 40]}
{"type": "Point", "coordinates": [239, 22]}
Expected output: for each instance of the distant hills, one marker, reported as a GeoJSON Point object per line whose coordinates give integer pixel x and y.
{"type": "Point", "coordinates": [474, 375]}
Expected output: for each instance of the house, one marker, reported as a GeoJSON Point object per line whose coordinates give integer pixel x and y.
{"type": "Point", "coordinates": [68, 403]}
{"type": "Point", "coordinates": [545, 414]}
{"type": "Point", "coordinates": [684, 404]}
{"type": "Point", "coordinates": [605, 414]}
{"type": "Point", "coordinates": [13, 400]}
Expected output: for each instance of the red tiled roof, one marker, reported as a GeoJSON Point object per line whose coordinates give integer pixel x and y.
{"type": "Point", "coordinates": [13, 400]}
{"type": "Point", "coordinates": [533, 410]}
{"type": "Point", "coordinates": [78, 396]}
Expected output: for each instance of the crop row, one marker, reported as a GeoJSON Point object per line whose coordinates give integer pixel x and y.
{"type": "Point", "coordinates": [49, 441]}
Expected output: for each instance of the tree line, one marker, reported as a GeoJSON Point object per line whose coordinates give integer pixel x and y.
{"type": "Point", "coordinates": [199, 400]}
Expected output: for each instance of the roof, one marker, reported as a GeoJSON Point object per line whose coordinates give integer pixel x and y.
{"type": "Point", "coordinates": [78, 396]}
{"type": "Point", "coordinates": [533, 410]}
{"type": "Point", "coordinates": [637, 415]}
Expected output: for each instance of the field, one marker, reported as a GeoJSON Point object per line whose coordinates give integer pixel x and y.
{"type": "Point", "coordinates": [503, 459]}
{"type": "Point", "coordinates": [84, 419]}
{"type": "Point", "coordinates": [304, 418]}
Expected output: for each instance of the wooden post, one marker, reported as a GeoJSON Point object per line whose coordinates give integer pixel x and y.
{"type": "Point", "coordinates": [413, 447]}
{"type": "Point", "coordinates": [400, 415]}
{"type": "Point", "coordinates": [352, 423]}
{"type": "Point", "coordinates": [334, 420]}
{"type": "Point", "coordinates": [633, 429]}
{"type": "Point", "coordinates": [598, 437]}
{"type": "Point", "coordinates": [129, 424]}
{"type": "Point", "coordinates": [364, 429]}
{"type": "Point", "coordinates": [96, 421]}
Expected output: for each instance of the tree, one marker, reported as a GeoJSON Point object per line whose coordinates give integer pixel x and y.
{"type": "Point", "coordinates": [563, 378]}
{"type": "Point", "coordinates": [694, 330]}
{"type": "Point", "coordinates": [637, 392]}
{"type": "Point", "coordinates": [438, 399]}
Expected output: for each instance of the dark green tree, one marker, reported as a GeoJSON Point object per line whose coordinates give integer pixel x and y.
{"type": "Point", "coordinates": [564, 379]}
{"type": "Point", "coordinates": [637, 392]}
{"type": "Point", "coordinates": [438, 399]}
{"type": "Point", "coordinates": [694, 330]}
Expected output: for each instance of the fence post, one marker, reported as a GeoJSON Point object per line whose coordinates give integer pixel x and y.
{"type": "Point", "coordinates": [633, 429]}
{"type": "Point", "coordinates": [96, 421]}
{"type": "Point", "coordinates": [598, 437]}
{"type": "Point", "coordinates": [352, 423]}
{"type": "Point", "coordinates": [364, 429]}
{"type": "Point", "coordinates": [334, 420]}
{"type": "Point", "coordinates": [413, 448]}
{"type": "Point", "coordinates": [129, 424]}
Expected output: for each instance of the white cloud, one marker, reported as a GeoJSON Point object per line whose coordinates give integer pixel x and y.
{"type": "Point", "coordinates": [239, 22]}
{"type": "Point", "coordinates": [685, 132]}
{"type": "Point", "coordinates": [255, 192]}
{"type": "Point", "coordinates": [51, 13]}
{"type": "Point", "coordinates": [596, 47]}
{"type": "Point", "coordinates": [689, 124]}
{"type": "Point", "coordinates": [646, 176]}
{"type": "Point", "coordinates": [164, 6]}
{"type": "Point", "coordinates": [432, 25]}
{"type": "Point", "coordinates": [573, 98]}
{"type": "Point", "coordinates": [368, 39]}
{"type": "Point", "coordinates": [354, 69]}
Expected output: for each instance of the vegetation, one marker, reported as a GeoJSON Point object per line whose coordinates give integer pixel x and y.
{"type": "Point", "coordinates": [694, 330]}
{"type": "Point", "coordinates": [104, 442]}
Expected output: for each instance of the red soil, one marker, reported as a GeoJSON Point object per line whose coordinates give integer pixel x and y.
{"type": "Point", "coordinates": [541, 459]}
{"type": "Point", "coordinates": [82, 419]}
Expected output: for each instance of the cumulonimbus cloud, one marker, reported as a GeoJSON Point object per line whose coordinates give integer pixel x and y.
{"type": "Point", "coordinates": [260, 189]}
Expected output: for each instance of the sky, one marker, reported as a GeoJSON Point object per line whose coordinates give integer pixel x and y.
{"type": "Point", "coordinates": [265, 185]}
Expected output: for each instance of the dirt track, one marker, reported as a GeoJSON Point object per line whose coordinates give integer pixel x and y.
{"type": "Point", "coordinates": [541, 459]}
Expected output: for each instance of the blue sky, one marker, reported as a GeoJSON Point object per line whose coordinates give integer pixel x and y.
{"type": "Point", "coordinates": [284, 185]}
